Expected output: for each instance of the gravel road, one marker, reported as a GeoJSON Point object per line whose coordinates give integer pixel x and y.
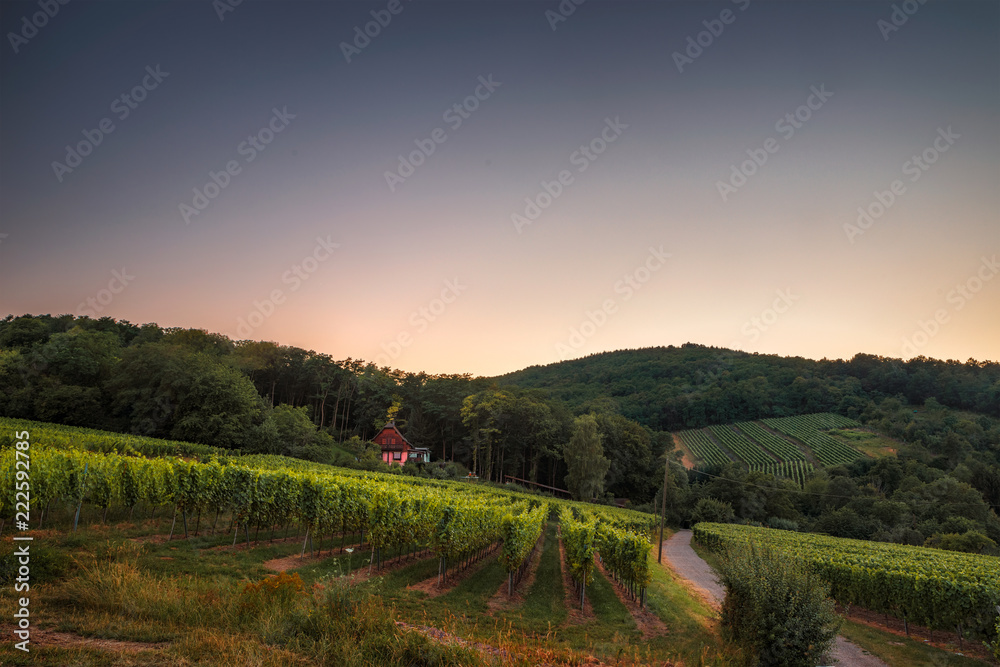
{"type": "Point", "coordinates": [689, 565]}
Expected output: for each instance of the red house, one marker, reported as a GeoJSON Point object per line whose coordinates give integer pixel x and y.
{"type": "Point", "coordinates": [396, 449]}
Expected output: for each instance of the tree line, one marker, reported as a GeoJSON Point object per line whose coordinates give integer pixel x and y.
{"type": "Point", "coordinates": [259, 396]}
{"type": "Point", "coordinates": [597, 425]}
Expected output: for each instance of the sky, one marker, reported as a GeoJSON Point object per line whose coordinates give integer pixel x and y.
{"type": "Point", "coordinates": [478, 187]}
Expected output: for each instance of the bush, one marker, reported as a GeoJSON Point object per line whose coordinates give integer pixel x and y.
{"type": "Point", "coordinates": [972, 542]}
{"type": "Point", "coordinates": [783, 524]}
{"type": "Point", "coordinates": [711, 510]}
{"type": "Point", "coordinates": [994, 646]}
{"type": "Point", "coordinates": [776, 609]}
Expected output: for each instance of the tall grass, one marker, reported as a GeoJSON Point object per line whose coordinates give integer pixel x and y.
{"type": "Point", "coordinates": [331, 622]}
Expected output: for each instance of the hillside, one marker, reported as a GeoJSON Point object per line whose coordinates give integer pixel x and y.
{"type": "Point", "coordinates": [672, 388]}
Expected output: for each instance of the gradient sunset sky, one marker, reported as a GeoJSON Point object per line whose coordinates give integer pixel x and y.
{"type": "Point", "coordinates": [632, 126]}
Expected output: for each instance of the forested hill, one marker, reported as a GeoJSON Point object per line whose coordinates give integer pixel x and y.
{"type": "Point", "coordinates": [670, 388]}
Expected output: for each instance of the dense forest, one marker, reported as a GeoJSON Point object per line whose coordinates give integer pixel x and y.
{"type": "Point", "coordinates": [256, 396]}
{"type": "Point", "coordinates": [673, 388]}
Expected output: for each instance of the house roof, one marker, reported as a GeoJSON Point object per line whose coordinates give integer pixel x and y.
{"type": "Point", "coordinates": [391, 426]}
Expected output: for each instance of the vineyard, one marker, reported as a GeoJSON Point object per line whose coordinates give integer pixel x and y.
{"type": "Point", "coordinates": [797, 471]}
{"type": "Point", "coordinates": [451, 533]}
{"type": "Point", "coordinates": [758, 448]}
{"type": "Point", "coordinates": [747, 450]}
{"type": "Point", "coordinates": [57, 436]}
{"type": "Point", "coordinates": [702, 448]}
{"type": "Point", "coordinates": [781, 448]}
{"type": "Point", "coordinates": [939, 589]}
{"type": "Point", "coordinates": [810, 429]}
{"type": "Point", "coordinates": [621, 544]}
{"type": "Point", "coordinates": [458, 522]}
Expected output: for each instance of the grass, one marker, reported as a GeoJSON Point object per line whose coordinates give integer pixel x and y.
{"type": "Point", "coordinates": [692, 626]}
{"type": "Point", "coordinates": [544, 603]}
{"type": "Point", "coordinates": [873, 444]}
{"type": "Point", "coordinates": [899, 651]}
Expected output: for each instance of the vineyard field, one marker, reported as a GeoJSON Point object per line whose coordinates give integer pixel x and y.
{"type": "Point", "coordinates": [810, 429]}
{"type": "Point", "coordinates": [781, 448]}
{"type": "Point", "coordinates": [754, 446]}
{"type": "Point", "coordinates": [702, 447]}
{"type": "Point", "coordinates": [936, 588]}
{"type": "Point", "coordinates": [797, 471]}
{"type": "Point", "coordinates": [747, 450]}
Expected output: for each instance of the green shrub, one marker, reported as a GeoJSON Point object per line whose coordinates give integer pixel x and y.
{"type": "Point", "coordinates": [783, 524]}
{"type": "Point", "coordinates": [711, 510]}
{"type": "Point", "coordinates": [973, 542]}
{"type": "Point", "coordinates": [775, 609]}
{"type": "Point", "coordinates": [994, 646]}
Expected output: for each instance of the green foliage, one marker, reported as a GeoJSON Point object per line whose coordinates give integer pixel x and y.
{"type": "Point", "coordinates": [578, 541]}
{"type": "Point", "coordinates": [972, 542]}
{"type": "Point", "coordinates": [782, 524]}
{"type": "Point", "coordinates": [994, 646]}
{"type": "Point", "coordinates": [634, 471]}
{"type": "Point", "coordinates": [585, 461]}
{"type": "Point", "coordinates": [775, 608]}
{"type": "Point", "coordinates": [520, 533]}
{"type": "Point", "coordinates": [932, 587]}
{"type": "Point", "coordinates": [625, 554]}
{"type": "Point", "coordinates": [297, 436]}
{"type": "Point", "coordinates": [691, 386]}
{"type": "Point", "coordinates": [713, 511]}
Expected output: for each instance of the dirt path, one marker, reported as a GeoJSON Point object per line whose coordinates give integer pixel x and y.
{"type": "Point", "coordinates": [46, 637]}
{"type": "Point", "coordinates": [686, 459]}
{"type": "Point", "coordinates": [688, 565]}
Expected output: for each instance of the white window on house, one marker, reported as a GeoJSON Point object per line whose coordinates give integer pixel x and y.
{"type": "Point", "coordinates": [396, 456]}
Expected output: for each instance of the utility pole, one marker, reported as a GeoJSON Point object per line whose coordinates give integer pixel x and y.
{"type": "Point", "coordinates": [663, 504]}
